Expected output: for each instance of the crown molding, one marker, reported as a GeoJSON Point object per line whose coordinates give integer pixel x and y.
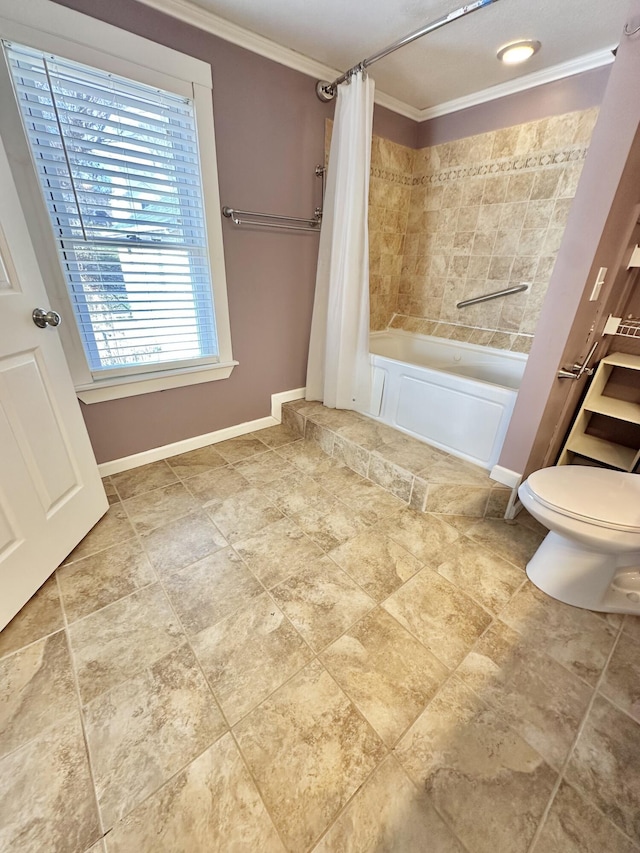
{"type": "Point", "coordinates": [212, 23]}
{"type": "Point", "coordinates": [529, 81]}
{"type": "Point", "coordinates": [397, 106]}
{"type": "Point", "coordinates": [186, 11]}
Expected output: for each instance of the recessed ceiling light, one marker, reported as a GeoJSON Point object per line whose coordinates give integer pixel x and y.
{"type": "Point", "coordinates": [518, 51]}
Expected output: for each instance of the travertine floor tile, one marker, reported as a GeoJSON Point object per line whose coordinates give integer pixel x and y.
{"type": "Point", "coordinates": [481, 744]}
{"type": "Point", "coordinates": [442, 617]}
{"type": "Point", "coordinates": [372, 501]}
{"type": "Point", "coordinates": [514, 542]}
{"type": "Point", "coordinates": [488, 783]}
{"type": "Point", "coordinates": [575, 826]}
{"type": "Point", "coordinates": [114, 643]}
{"type": "Point", "coordinates": [543, 702]}
{"type": "Point", "coordinates": [179, 543]}
{"type": "Point", "coordinates": [376, 562]}
{"type": "Point", "coordinates": [250, 654]}
{"type": "Point", "coordinates": [277, 436]}
{"type": "Point", "coordinates": [216, 485]}
{"type": "Point", "coordinates": [395, 480]}
{"type": "Point", "coordinates": [577, 638]}
{"type": "Point", "coordinates": [93, 582]}
{"type": "Point", "coordinates": [309, 751]}
{"type": "Point", "coordinates": [307, 457]}
{"type": "Point", "coordinates": [406, 452]}
{"type": "Point", "coordinates": [322, 601]}
{"type": "Point", "coordinates": [337, 526]}
{"type": "Point", "coordinates": [265, 468]}
{"type": "Point", "coordinates": [153, 509]}
{"type": "Point", "coordinates": [46, 795]}
{"type": "Point", "coordinates": [143, 731]}
{"type": "Point", "coordinates": [207, 591]}
{"type": "Point", "coordinates": [366, 433]}
{"type": "Point", "coordinates": [457, 499]}
{"type": "Point", "coordinates": [196, 461]}
{"type": "Point", "coordinates": [425, 536]}
{"type": "Point", "coordinates": [604, 765]}
{"type": "Point", "coordinates": [631, 626]}
{"type": "Point", "coordinates": [145, 478]}
{"type": "Point", "coordinates": [389, 815]}
{"type": "Point", "coordinates": [621, 681]}
{"type": "Point", "coordinates": [40, 616]}
{"type": "Point", "coordinates": [300, 497]}
{"type": "Point", "coordinates": [212, 805]}
{"type": "Point", "coordinates": [241, 447]}
{"type": "Point", "coordinates": [448, 469]}
{"type": "Point", "coordinates": [113, 528]}
{"type": "Point", "coordinates": [36, 690]}
{"type": "Point", "coordinates": [386, 672]}
{"type": "Point", "coordinates": [278, 551]}
{"type": "Point", "coordinates": [338, 479]}
{"type": "Point", "coordinates": [110, 490]}
{"type": "Point", "coordinates": [243, 514]}
{"type": "Point", "coordinates": [488, 579]}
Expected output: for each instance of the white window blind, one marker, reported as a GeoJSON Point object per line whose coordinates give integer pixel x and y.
{"type": "Point", "coordinates": [118, 166]}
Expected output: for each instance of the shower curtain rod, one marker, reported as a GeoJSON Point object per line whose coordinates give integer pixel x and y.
{"type": "Point", "coordinates": [326, 91]}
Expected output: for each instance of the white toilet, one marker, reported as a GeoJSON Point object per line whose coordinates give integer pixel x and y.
{"type": "Point", "coordinates": [591, 556]}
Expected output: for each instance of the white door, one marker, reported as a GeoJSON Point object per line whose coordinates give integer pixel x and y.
{"type": "Point", "coordinates": [51, 494]}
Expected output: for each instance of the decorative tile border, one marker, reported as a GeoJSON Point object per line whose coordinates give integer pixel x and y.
{"type": "Point", "coordinates": [392, 176]}
{"type": "Point", "coordinates": [538, 160]}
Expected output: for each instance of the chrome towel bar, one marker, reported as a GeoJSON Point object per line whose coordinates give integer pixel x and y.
{"type": "Point", "coordinates": [273, 220]}
{"type": "Point", "coordinates": [276, 220]}
{"type": "Point", "coordinates": [517, 288]}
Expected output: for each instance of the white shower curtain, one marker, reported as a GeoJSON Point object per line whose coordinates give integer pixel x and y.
{"type": "Point", "coordinates": [338, 370]}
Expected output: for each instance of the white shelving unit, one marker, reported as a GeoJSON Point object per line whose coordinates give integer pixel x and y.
{"type": "Point", "coordinates": [597, 402]}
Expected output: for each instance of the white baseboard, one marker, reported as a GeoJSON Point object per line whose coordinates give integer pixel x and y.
{"type": "Point", "coordinates": [125, 463]}
{"type": "Point", "coordinates": [284, 397]}
{"type": "Point", "coordinates": [506, 476]}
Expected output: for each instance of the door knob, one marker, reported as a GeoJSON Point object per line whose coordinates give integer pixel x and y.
{"type": "Point", "coordinates": [42, 318]}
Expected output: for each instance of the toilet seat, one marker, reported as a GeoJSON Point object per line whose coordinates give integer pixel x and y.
{"type": "Point", "coordinates": [596, 496]}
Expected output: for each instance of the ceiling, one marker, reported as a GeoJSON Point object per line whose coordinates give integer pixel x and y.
{"type": "Point", "coordinates": [452, 63]}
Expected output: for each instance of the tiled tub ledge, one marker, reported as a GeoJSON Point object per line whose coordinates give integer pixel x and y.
{"type": "Point", "coordinates": [425, 478]}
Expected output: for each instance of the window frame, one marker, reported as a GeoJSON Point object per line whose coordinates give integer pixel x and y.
{"type": "Point", "coordinates": [77, 37]}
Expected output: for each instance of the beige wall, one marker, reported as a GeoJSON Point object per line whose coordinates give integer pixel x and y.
{"type": "Point", "coordinates": [486, 212]}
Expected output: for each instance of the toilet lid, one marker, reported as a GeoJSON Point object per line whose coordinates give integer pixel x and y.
{"type": "Point", "coordinates": [610, 498]}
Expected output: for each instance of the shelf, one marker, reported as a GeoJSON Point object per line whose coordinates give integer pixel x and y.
{"type": "Point", "coordinates": [605, 451]}
{"type": "Point", "coordinates": [615, 455]}
{"type": "Point", "coordinates": [621, 410]}
{"type": "Point", "coordinates": [622, 359]}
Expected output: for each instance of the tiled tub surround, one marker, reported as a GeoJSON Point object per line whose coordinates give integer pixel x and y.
{"type": "Point", "coordinates": [485, 212]}
{"type": "Point", "coordinates": [258, 649]}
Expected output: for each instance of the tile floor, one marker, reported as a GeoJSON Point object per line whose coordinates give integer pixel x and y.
{"type": "Point", "coordinates": [257, 649]}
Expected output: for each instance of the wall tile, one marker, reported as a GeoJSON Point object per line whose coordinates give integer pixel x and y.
{"type": "Point", "coordinates": [483, 210]}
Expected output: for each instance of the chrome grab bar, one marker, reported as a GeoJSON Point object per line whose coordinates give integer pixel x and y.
{"type": "Point", "coordinates": [517, 288]}
{"type": "Point", "coordinates": [578, 370]}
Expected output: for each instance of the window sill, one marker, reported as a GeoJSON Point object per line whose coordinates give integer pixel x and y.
{"type": "Point", "coordinates": [128, 386]}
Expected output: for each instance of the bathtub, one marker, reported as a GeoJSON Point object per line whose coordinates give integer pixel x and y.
{"type": "Point", "coordinates": [455, 396]}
